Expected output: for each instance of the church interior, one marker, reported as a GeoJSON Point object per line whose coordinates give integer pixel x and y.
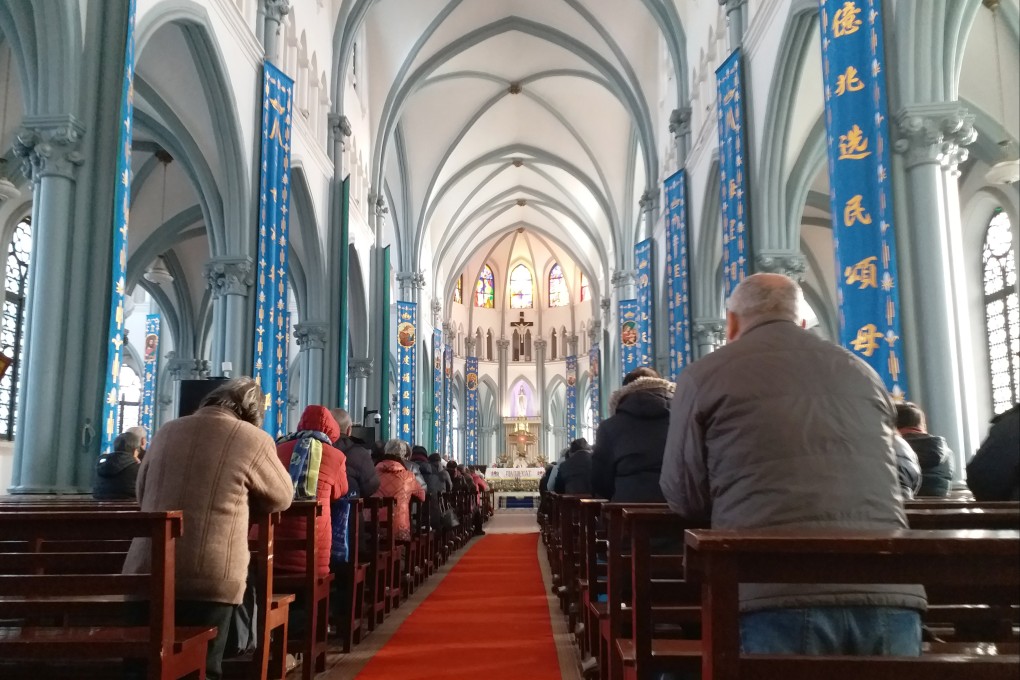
{"type": "Point", "coordinates": [464, 223]}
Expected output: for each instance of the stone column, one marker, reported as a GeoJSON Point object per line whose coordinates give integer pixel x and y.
{"type": "Point", "coordinates": [571, 344]}
{"type": "Point", "coordinates": [50, 149]}
{"type": "Point", "coordinates": [360, 371]}
{"type": "Point", "coordinates": [649, 204]}
{"type": "Point", "coordinates": [540, 345]}
{"type": "Point", "coordinates": [411, 285]}
{"type": "Point", "coordinates": [503, 355]}
{"type": "Point", "coordinates": [736, 19]}
{"type": "Point", "coordinates": [787, 262]}
{"type": "Point", "coordinates": [229, 279]}
{"type": "Point", "coordinates": [709, 335]}
{"type": "Point", "coordinates": [376, 390]}
{"type": "Point", "coordinates": [680, 128]}
{"type": "Point", "coordinates": [932, 139]}
{"type": "Point", "coordinates": [275, 11]}
{"type": "Point", "coordinates": [311, 338]}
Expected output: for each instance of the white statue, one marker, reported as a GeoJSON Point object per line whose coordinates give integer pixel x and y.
{"type": "Point", "coordinates": [522, 403]}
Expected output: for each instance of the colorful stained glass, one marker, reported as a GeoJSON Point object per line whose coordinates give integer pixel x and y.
{"type": "Point", "coordinates": [522, 288]}
{"type": "Point", "coordinates": [485, 289]}
{"type": "Point", "coordinates": [458, 292]}
{"type": "Point", "coordinates": [558, 294]}
{"type": "Point", "coordinates": [13, 331]}
{"type": "Point", "coordinates": [585, 289]}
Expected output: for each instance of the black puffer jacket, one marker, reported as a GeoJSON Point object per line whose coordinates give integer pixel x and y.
{"type": "Point", "coordinates": [936, 460]}
{"type": "Point", "coordinates": [362, 479]}
{"type": "Point", "coordinates": [630, 443]}
{"type": "Point", "coordinates": [435, 485]}
{"type": "Point", "coordinates": [993, 474]}
{"type": "Point", "coordinates": [116, 474]}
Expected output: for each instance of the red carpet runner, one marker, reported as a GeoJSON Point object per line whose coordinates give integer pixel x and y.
{"type": "Point", "coordinates": [487, 620]}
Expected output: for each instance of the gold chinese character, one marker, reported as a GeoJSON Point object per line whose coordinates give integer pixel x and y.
{"type": "Point", "coordinates": [864, 272]}
{"type": "Point", "coordinates": [853, 145]}
{"type": "Point", "coordinates": [731, 121]}
{"type": "Point", "coordinates": [845, 21]}
{"type": "Point", "coordinates": [854, 212]}
{"type": "Point", "coordinates": [849, 82]}
{"type": "Point", "coordinates": [866, 340]}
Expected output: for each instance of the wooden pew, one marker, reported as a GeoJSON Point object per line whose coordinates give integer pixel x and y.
{"type": "Point", "coordinates": [350, 580]}
{"type": "Point", "coordinates": [378, 518]}
{"type": "Point", "coordinates": [592, 582]}
{"type": "Point", "coordinates": [166, 650]}
{"type": "Point", "coordinates": [963, 518]}
{"type": "Point", "coordinates": [972, 565]}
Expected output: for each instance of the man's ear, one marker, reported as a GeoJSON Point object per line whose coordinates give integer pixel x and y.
{"type": "Point", "coordinates": [803, 324]}
{"type": "Point", "coordinates": [732, 327]}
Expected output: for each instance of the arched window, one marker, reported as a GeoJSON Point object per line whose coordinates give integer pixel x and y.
{"type": "Point", "coordinates": [585, 289]}
{"type": "Point", "coordinates": [130, 398]}
{"type": "Point", "coordinates": [1002, 312]}
{"type": "Point", "coordinates": [521, 288]}
{"type": "Point", "coordinates": [455, 422]}
{"type": "Point", "coordinates": [485, 289]}
{"type": "Point", "coordinates": [458, 292]}
{"type": "Point", "coordinates": [558, 295]}
{"type": "Point", "coordinates": [587, 422]}
{"type": "Point", "coordinates": [13, 333]}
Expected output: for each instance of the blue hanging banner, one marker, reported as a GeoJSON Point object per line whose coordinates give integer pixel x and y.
{"type": "Point", "coordinates": [438, 405]}
{"type": "Point", "coordinates": [678, 274]}
{"type": "Point", "coordinates": [121, 208]}
{"type": "Point", "coordinates": [407, 336]}
{"type": "Point", "coordinates": [733, 172]}
{"type": "Point", "coordinates": [853, 66]}
{"type": "Point", "coordinates": [572, 398]}
{"type": "Point", "coordinates": [471, 411]}
{"type": "Point", "coordinates": [629, 336]}
{"type": "Point", "coordinates": [595, 377]}
{"type": "Point", "coordinates": [643, 254]}
{"type": "Point", "coordinates": [151, 370]}
{"type": "Point", "coordinates": [448, 413]}
{"type": "Point", "coordinates": [272, 318]}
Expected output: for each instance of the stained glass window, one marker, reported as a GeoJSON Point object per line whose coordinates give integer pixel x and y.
{"type": "Point", "coordinates": [13, 332]}
{"type": "Point", "coordinates": [522, 288]}
{"type": "Point", "coordinates": [130, 398]}
{"type": "Point", "coordinates": [585, 291]}
{"type": "Point", "coordinates": [458, 292]}
{"type": "Point", "coordinates": [558, 295]}
{"type": "Point", "coordinates": [1002, 312]}
{"type": "Point", "coordinates": [485, 289]}
{"type": "Point", "coordinates": [455, 420]}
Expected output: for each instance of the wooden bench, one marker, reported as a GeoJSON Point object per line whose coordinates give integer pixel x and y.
{"type": "Point", "coordinates": [30, 578]}
{"type": "Point", "coordinates": [966, 566]}
{"type": "Point", "coordinates": [350, 578]}
{"type": "Point", "coordinates": [964, 518]}
{"type": "Point", "coordinates": [381, 547]}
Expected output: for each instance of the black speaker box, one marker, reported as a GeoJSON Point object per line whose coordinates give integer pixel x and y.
{"type": "Point", "coordinates": [365, 434]}
{"type": "Point", "coordinates": [192, 392]}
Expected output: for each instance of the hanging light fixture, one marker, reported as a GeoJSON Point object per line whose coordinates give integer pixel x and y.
{"type": "Point", "coordinates": [1007, 170]}
{"type": "Point", "coordinates": [157, 272]}
{"type": "Point", "coordinates": [8, 192]}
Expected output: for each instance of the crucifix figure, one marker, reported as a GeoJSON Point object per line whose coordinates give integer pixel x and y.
{"type": "Point", "coordinates": [520, 348]}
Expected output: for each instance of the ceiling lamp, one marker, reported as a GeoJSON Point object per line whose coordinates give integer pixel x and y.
{"type": "Point", "coordinates": [158, 273]}
{"type": "Point", "coordinates": [1007, 170]}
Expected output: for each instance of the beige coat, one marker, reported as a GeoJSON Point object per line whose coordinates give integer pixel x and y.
{"type": "Point", "coordinates": [211, 465]}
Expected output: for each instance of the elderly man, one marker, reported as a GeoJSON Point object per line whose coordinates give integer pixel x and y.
{"type": "Point", "coordinates": [781, 429]}
{"type": "Point", "coordinates": [117, 471]}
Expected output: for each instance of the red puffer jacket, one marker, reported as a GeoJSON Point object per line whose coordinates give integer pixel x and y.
{"type": "Point", "coordinates": [332, 485]}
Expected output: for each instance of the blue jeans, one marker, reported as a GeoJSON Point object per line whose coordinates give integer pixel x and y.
{"type": "Point", "coordinates": [819, 631]}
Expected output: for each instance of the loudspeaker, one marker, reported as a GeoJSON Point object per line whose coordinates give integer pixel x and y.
{"type": "Point", "coordinates": [192, 392]}
{"type": "Point", "coordinates": [365, 434]}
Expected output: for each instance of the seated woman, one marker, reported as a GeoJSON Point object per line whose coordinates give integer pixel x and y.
{"type": "Point", "coordinates": [397, 482]}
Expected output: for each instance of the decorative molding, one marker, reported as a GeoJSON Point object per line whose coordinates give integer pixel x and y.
{"type": "Point", "coordinates": [649, 201]}
{"type": "Point", "coordinates": [339, 126]}
{"type": "Point", "coordinates": [276, 10]}
{"type": "Point", "coordinates": [606, 304]}
{"type": "Point", "coordinates": [540, 345]}
{"type": "Point", "coordinates": [411, 279]}
{"type": "Point", "coordinates": [50, 146]}
{"type": "Point", "coordinates": [621, 278]}
{"type": "Point", "coordinates": [934, 134]}
{"type": "Point", "coordinates": [311, 335]}
{"type": "Point", "coordinates": [503, 344]}
{"type": "Point", "coordinates": [230, 276]}
{"type": "Point", "coordinates": [709, 331]}
{"type": "Point", "coordinates": [680, 122]}
{"type": "Point", "coordinates": [789, 263]}
{"type": "Point", "coordinates": [360, 369]}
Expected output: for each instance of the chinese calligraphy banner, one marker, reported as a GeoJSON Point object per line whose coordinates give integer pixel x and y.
{"type": "Point", "coordinates": [151, 367]}
{"type": "Point", "coordinates": [407, 313]}
{"type": "Point", "coordinates": [733, 172]}
{"type": "Point", "coordinates": [121, 208]}
{"type": "Point", "coordinates": [678, 274]}
{"type": "Point", "coordinates": [629, 335]}
{"type": "Point", "coordinates": [572, 398]}
{"type": "Point", "coordinates": [643, 253]}
{"type": "Point", "coordinates": [595, 377]}
{"type": "Point", "coordinates": [438, 405]}
{"type": "Point", "coordinates": [272, 319]}
{"type": "Point", "coordinates": [448, 412]}
{"type": "Point", "coordinates": [853, 66]}
{"type": "Point", "coordinates": [471, 411]}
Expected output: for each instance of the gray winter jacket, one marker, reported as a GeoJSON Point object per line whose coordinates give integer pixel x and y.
{"type": "Point", "coordinates": [782, 429]}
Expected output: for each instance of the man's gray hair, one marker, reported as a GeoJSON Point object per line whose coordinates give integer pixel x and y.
{"type": "Point", "coordinates": [763, 297]}
{"type": "Point", "coordinates": [397, 447]}
{"type": "Point", "coordinates": [242, 396]}
{"type": "Point", "coordinates": [128, 441]}
{"type": "Point", "coordinates": [138, 431]}
{"type": "Point", "coordinates": [343, 419]}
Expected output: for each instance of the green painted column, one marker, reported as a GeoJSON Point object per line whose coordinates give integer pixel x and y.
{"type": "Point", "coordinates": [384, 342]}
{"type": "Point", "coordinates": [343, 340]}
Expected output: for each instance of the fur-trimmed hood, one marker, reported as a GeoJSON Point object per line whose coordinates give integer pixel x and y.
{"type": "Point", "coordinates": [652, 386]}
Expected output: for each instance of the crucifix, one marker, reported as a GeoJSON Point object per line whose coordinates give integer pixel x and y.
{"type": "Point", "coordinates": [520, 328]}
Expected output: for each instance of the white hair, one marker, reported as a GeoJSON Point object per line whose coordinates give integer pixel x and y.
{"type": "Point", "coordinates": [766, 296]}
{"type": "Point", "coordinates": [397, 447]}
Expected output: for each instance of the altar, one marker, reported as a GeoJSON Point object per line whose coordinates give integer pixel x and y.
{"type": "Point", "coordinates": [522, 441]}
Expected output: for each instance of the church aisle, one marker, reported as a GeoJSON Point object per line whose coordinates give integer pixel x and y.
{"type": "Point", "coordinates": [488, 619]}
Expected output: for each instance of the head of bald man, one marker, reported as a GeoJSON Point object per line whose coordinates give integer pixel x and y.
{"type": "Point", "coordinates": [761, 298]}
{"type": "Point", "coordinates": [343, 419]}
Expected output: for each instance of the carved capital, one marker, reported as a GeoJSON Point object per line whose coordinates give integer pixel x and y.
{"type": "Point", "coordinates": [469, 346]}
{"type": "Point", "coordinates": [622, 277]}
{"type": "Point", "coordinates": [680, 122]}
{"type": "Point", "coordinates": [360, 369]}
{"type": "Point", "coordinates": [606, 304]}
{"type": "Point", "coordinates": [230, 276]}
{"type": "Point", "coordinates": [595, 332]}
{"type": "Point", "coordinates": [709, 331]}
{"type": "Point", "coordinates": [411, 279]}
{"type": "Point", "coordinates": [503, 344]}
{"type": "Point", "coordinates": [450, 331]}
{"type": "Point", "coordinates": [649, 201]}
{"type": "Point", "coordinates": [276, 10]}
{"type": "Point", "coordinates": [789, 263]}
{"type": "Point", "coordinates": [50, 146]}
{"type": "Point", "coordinates": [311, 335]}
{"type": "Point", "coordinates": [541, 344]}
{"type": "Point", "coordinates": [732, 5]}
{"type": "Point", "coordinates": [934, 134]}
{"type": "Point", "coordinates": [340, 126]}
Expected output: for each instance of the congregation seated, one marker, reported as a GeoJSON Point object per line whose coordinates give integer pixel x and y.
{"type": "Point", "coordinates": [574, 474]}
{"type": "Point", "coordinates": [117, 471]}
{"type": "Point", "coordinates": [397, 482]}
{"type": "Point", "coordinates": [933, 454]}
{"type": "Point", "coordinates": [362, 479]}
{"type": "Point", "coordinates": [435, 484]}
{"type": "Point", "coordinates": [993, 474]}
{"type": "Point", "coordinates": [213, 465]}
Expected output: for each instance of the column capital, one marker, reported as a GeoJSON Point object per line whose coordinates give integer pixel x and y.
{"type": "Point", "coordinates": [621, 278]}
{"type": "Point", "coordinates": [934, 134]}
{"type": "Point", "coordinates": [541, 344]}
{"type": "Point", "coordinates": [649, 201]}
{"type": "Point", "coordinates": [230, 275]}
{"type": "Point", "coordinates": [437, 310]}
{"type": "Point", "coordinates": [469, 346]}
{"type": "Point", "coordinates": [595, 332]}
{"type": "Point", "coordinates": [276, 10]}
{"type": "Point", "coordinates": [411, 279]}
{"type": "Point", "coordinates": [680, 121]}
{"type": "Point", "coordinates": [360, 368]}
{"type": "Point", "coordinates": [732, 5]}
{"type": "Point", "coordinates": [377, 202]}
{"type": "Point", "coordinates": [787, 262]}
{"type": "Point", "coordinates": [311, 335]}
{"type": "Point", "coordinates": [50, 146]}
{"type": "Point", "coordinates": [503, 344]}
{"type": "Point", "coordinates": [709, 331]}
{"type": "Point", "coordinates": [339, 125]}
{"type": "Point", "coordinates": [606, 304]}
{"type": "Point", "coordinates": [450, 332]}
